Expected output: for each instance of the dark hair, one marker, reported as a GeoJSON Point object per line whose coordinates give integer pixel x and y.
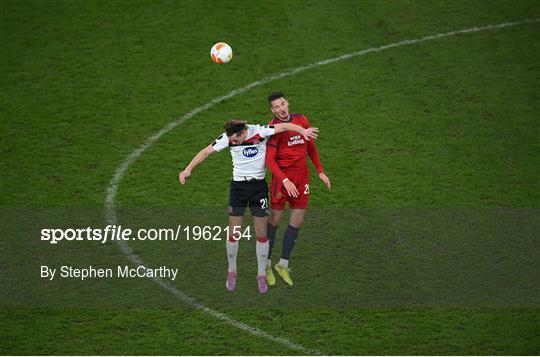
{"type": "Point", "coordinates": [274, 96]}
{"type": "Point", "coordinates": [234, 126]}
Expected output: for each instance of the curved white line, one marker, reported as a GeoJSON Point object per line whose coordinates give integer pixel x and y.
{"type": "Point", "coordinates": [121, 170]}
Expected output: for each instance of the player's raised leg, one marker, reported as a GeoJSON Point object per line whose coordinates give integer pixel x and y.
{"type": "Point", "coordinates": [289, 241]}
{"type": "Point", "coordinates": [261, 247]}
{"type": "Point", "coordinates": [273, 223]}
{"type": "Point", "coordinates": [235, 225]}
{"type": "Point", "coordinates": [259, 210]}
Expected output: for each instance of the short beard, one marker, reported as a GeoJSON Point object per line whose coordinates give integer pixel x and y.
{"type": "Point", "coordinates": [282, 118]}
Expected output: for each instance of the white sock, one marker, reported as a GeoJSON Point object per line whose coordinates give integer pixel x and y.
{"type": "Point", "coordinates": [232, 253]}
{"type": "Point", "coordinates": [262, 256]}
{"type": "Point", "coordinates": [269, 263]}
{"type": "Point", "coordinates": [284, 263]}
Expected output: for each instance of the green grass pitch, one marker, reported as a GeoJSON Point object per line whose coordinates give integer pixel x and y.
{"type": "Point", "coordinates": [427, 244]}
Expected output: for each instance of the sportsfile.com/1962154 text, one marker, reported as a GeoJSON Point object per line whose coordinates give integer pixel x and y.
{"type": "Point", "coordinates": [119, 233]}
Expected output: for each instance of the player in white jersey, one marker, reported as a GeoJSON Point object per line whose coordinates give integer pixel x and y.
{"type": "Point", "coordinates": [247, 144]}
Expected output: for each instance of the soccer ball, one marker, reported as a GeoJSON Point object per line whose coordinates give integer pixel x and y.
{"type": "Point", "coordinates": [221, 53]}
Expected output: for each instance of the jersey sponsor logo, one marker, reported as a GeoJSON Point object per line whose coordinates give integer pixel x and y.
{"type": "Point", "coordinates": [295, 140]}
{"type": "Point", "coordinates": [250, 152]}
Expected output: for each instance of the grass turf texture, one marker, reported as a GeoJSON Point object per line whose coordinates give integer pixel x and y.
{"type": "Point", "coordinates": [450, 123]}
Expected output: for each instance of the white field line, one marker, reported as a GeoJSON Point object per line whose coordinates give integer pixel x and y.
{"type": "Point", "coordinates": [133, 156]}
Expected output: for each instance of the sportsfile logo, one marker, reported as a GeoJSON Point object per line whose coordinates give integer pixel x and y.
{"type": "Point", "coordinates": [250, 152]}
{"type": "Point", "coordinates": [119, 233]}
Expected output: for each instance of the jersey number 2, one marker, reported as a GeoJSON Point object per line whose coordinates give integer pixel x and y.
{"type": "Point", "coordinates": [306, 191]}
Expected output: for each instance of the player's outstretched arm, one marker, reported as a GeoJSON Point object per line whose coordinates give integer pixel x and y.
{"type": "Point", "coordinates": [200, 157]}
{"type": "Point", "coordinates": [309, 133]}
{"type": "Point", "coordinates": [313, 154]}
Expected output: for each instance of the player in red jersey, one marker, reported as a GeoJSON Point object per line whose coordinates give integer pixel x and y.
{"type": "Point", "coordinates": [286, 158]}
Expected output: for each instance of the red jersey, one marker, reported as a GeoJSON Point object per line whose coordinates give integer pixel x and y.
{"type": "Point", "coordinates": [289, 150]}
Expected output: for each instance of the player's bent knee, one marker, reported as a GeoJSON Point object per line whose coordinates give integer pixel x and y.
{"type": "Point", "coordinates": [260, 232]}
{"type": "Point", "coordinates": [274, 219]}
{"type": "Point", "coordinates": [296, 222]}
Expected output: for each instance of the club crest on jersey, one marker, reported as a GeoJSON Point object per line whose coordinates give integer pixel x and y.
{"type": "Point", "coordinates": [250, 152]}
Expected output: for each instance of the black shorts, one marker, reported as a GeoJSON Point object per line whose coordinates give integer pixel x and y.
{"type": "Point", "coordinates": [253, 193]}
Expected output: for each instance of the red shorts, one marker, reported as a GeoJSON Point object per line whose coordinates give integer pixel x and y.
{"type": "Point", "coordinates": [279, 196]}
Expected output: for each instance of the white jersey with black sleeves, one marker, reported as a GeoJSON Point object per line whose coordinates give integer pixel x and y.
{"type": "Point", "coordinates": [249, 157]}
